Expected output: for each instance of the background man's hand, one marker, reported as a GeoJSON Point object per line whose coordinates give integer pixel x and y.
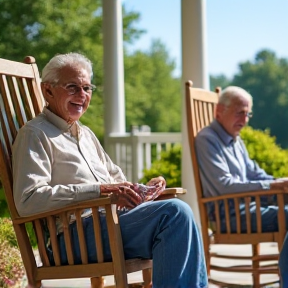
{"type": "Point", "coordinates": [281, 183]}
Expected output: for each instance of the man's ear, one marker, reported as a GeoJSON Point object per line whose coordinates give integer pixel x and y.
{"type": "Point", "coordinates": [45, 87]}
{"type": "Point", "coordinates": [219, 110]}
{"type": "Point", "coordinates": [49, 92]}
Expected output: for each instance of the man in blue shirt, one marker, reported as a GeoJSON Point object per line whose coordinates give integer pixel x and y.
{"type": "Point", "coordinates": [225, 166]}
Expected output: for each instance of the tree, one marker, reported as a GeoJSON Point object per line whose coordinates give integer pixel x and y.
{"type": "Point", "coordinates": [153, 96]}
{"type": "Point", "coordinates": [266, 79]}
{"type": "Point", "coordinates": [219, 81]}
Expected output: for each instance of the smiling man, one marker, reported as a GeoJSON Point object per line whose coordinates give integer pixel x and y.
{"type": "Point", "coordinates": [58, 161]}
{"type": "Point", "coordinates": [225, 166]}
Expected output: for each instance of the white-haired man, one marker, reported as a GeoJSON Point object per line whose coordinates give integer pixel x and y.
{"type": "Point", "coordinates": [58, 161]}
{"type": "Point", "coordinates": [225, 166]}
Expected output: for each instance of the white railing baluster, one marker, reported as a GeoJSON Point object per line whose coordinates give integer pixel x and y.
{"type": "Point", "coordinates": [133, 151]}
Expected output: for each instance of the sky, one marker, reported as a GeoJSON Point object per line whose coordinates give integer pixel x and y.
{"type": "Point", "coordinates": [235, 30]}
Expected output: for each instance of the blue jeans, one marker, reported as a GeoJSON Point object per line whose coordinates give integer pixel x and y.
{"type": "Point", "coordinates": [268, 215]}
{"type": "Point", "coordinates": [283, 263]}
{"type": "Point", "coordinates": [164, 231]}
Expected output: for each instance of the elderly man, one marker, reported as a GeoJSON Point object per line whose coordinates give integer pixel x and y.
{"type": "Point", "coordinates": [225, 166]}
{"type": "Point", "coordinates": [57, 161]}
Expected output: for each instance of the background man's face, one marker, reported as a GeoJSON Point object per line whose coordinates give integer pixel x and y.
{"type": "Point", "coordinates": [235, 116]}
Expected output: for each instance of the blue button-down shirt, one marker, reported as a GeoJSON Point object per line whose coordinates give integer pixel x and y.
{"type": "Point", "coordinates": [225, 166]}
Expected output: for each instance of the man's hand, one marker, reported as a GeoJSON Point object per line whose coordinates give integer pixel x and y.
{"type": "Point", "coordinates": [281, 183]}
{"type": "Point", "coordinates": [122, 193]}
{"type": "Point", "coordinates": [157, 185]}
{"type": "Point", "coordinates": [158, 181]}
{"type": "Point", "coordinates": [128, 195]}
{"type": "Point", "coordinates": [282, 179]}
{"type": "Point", "coordinates": [107, 189]}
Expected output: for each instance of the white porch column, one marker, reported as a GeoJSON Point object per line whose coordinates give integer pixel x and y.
{"type": "Point", "coordinates": [193, 68]}
{"type": "Point", "coordinates": [114, 98]}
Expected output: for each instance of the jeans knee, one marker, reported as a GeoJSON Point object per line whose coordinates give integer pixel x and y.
{"type": "Point", "coordinates": [181, 210]}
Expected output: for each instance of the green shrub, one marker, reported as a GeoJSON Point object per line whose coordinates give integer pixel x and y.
{"type": "Point", "coordinates": [7, 232]}
{"type": "Point", "coordinates": [4, 213]}
{"type": "Point", "coordinates": [11, 266]}
{"type": "Point", "coordinates": [261, 147]}
{"type": "Point", "coordinates": [169, 166]}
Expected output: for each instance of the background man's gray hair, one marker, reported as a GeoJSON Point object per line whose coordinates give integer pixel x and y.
{"type": "Point", "coordinates": [230, 93]}
{"type": "Point", "coordinates": [50, 73]}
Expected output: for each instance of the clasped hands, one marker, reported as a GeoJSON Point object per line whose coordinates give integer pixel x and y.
{"type": "Point", "coordinates": [128, 195]}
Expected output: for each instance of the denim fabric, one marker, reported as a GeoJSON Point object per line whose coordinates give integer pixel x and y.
{"type": "Point", "coordinates": [90, 241]}
{"type": "Point", "coordinates": [164, 231]}
{"type": "Point", "coordinates": [283, 264]}
{"type": "Point", "coordinates": [268, 215]}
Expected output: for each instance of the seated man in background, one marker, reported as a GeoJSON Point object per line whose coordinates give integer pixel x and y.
{"type": "Point", "coordinates": [225, 166]}
{"type": "Point", "coordinates": [57, 161]}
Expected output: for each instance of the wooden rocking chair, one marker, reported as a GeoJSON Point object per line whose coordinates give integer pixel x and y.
{"type": "Point", "coordinates": [21, 100]}
{"type": "Point", "coordinates": [200, 113]}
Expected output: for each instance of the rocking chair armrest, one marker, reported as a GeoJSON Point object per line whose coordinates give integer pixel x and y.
{"type": "Point", "coordinates": [170, 193]}
{"type": "Point", "coordinates": [174, 190]}
{"type": "Point", "coordinates": [244, 195]}
{"type": "Point", "coordinates": [102, 201]}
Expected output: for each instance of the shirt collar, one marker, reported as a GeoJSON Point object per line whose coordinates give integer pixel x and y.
{"type": "Point", "coordinates": [56, 120]}
{"type": "Point", "coordinates": [226, 138]}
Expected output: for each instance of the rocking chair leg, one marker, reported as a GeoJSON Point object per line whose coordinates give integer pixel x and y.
{"type": "Point", "coordinates": [147, 278]}
{"type": "Point", "coordinates": [97, 282]}
{"type": "Point", "coordinates": [256, 275]}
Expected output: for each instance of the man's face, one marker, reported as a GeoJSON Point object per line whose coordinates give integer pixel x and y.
{"type": "Point", "coordinates": [69, 106]}
{"type": "Point", "coordinates": [235, 116]}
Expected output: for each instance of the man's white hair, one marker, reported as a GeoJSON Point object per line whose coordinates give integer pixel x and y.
{"type": "Point", "coordinates": [230, 93]}
{"type": "Point", "coordinates": [51, 72]}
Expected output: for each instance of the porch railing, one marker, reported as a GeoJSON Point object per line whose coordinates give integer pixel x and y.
{"type": "Point", "coordinates": [136, 151]}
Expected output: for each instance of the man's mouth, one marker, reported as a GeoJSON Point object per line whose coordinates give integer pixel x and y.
{"type": "Point", "coordinates": [77, 104]}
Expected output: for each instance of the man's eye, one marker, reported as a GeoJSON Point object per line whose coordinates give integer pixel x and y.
{"type": "Point", "coordinates": [87, 88]}
{"type": "Point", "coordinates": [71, 87]}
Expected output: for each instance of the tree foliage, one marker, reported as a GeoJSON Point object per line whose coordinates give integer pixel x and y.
{"type": "Point", "coordinates": [44, 28]}
{"type": "Point", "coordinates": [219, 81]}
{"type": "Point", "coordinates": [153, 96]}
{"type": "Point", "coordinates": [266, 79]}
